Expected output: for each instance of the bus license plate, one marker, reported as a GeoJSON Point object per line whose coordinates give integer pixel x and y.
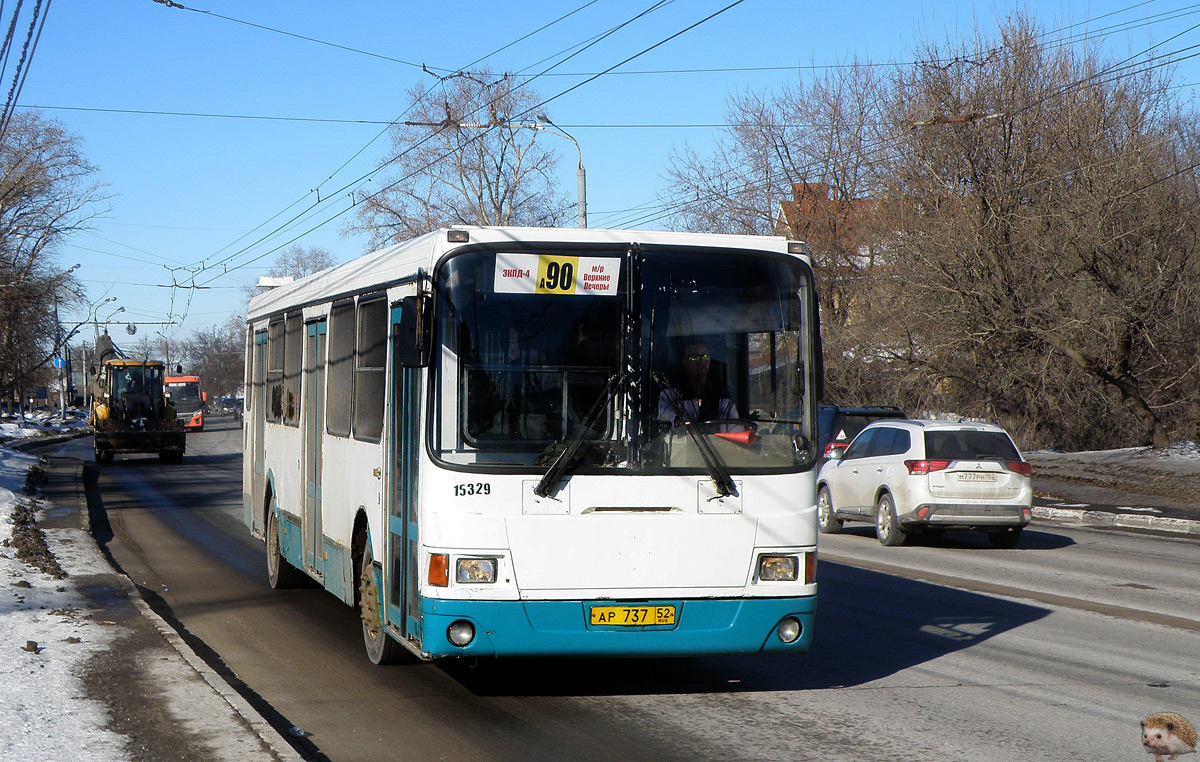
{"type": "Point", "coordinates": [632, 616]}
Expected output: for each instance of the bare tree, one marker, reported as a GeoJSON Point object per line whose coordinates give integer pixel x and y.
{"type": "Point", "coordinates": [1046, 227]}
{"type": "Point", "coordinates": [820, 133]}
{"type": "Point", "coordinates": [295, 262]}
{"type": "Point", "coordinates": [803, 163]}
{"type": "Point", "coordinates": [46, 194]}
{"type": "Point", "coordinates": [468, 154]}
{"type": "Point", "coordinates": [299, 262]}
{"type": "Point", "coordinates": [218, 356]}
{"type": "Point", "coordinates": [1007, 231]}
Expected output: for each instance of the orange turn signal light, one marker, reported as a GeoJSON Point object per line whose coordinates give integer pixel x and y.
{"type": "Point", "coordinates": [439, 569]}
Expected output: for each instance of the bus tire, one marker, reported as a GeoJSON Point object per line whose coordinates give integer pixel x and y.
{"type": "Point", "coordinates": [381, 648]}
{"type": "Point", "coordinates": [104, 456]}
{"type": "Point", "coordinates": [280, 574]}
{"type": "Point", "coordinates": [170, 456]}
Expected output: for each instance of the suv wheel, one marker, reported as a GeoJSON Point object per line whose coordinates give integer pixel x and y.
{"type": "Point", "coordinates": [827, 521]}
{"type": "Point", "coordinates": [887, 526]}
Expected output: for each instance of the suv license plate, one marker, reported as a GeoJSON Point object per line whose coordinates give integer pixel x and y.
{"type": "Point", "coordinates": [977, 476]}
{"type": "Point", "coordinates": [632, 616]}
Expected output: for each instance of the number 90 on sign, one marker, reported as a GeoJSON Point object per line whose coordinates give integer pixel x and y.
{"type": "Point", "coordinates": [556, 275]}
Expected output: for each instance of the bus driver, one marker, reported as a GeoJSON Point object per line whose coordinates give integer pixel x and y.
{"type": "Point", "coordinates": [699, 396]}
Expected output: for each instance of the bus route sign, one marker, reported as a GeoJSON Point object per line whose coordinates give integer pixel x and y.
{"type": "Point", "coordinates": [556, 275]}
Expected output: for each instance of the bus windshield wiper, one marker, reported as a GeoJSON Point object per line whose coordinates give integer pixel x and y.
{"type": "Point", "coordinates": [713, 463]}
{"type": "Point", "coordinates": [567, 459]}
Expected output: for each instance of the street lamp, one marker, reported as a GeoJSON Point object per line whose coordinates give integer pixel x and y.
{"type": "Point", "coordinates": [108, 320]}
{"type": "Point", "coordinates": [95, 313]}
{"type": "Point", "coordinates": [580, 175]}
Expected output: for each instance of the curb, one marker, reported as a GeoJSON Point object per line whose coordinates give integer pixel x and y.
{"type": "Point", "coordinates": [28, 443]}
{"type": "Point", "coordinates": [1083, 517]}
{"type": "Point", "coordinates": [271, 738]}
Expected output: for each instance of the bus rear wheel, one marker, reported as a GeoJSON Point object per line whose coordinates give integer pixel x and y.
{"type": "Point", "coordinates": [280, 574]}
{"type": "Point", "coordinates": [381, 648]}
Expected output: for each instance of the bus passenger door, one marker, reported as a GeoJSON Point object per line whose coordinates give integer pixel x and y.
{"type": "Point", "coordinates": [257, 424]}
{"type": "Point", "coordinates": [314, 428]}
{"type": "Point", "coordinates": [403, 606]}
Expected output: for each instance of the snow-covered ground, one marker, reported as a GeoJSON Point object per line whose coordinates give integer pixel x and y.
{"type": "Point", "coordinates": [1129, 476]}
{"type": "Point", "coordinates": [45, 641]}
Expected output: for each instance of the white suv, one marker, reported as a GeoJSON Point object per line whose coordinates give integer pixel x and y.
{"type": "Point", "coordinates": [928, 476]}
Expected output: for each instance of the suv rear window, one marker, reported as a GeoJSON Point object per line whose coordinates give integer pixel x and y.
{"type": "Point", "coordinates": [969, 445]}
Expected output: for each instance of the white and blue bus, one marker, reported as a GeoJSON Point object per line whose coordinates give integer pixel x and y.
{"type": "Point", "coordinates": [499, 442]}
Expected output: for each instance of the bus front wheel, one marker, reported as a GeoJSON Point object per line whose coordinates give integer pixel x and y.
{"type": "Point", "coordinates": [381, 648]}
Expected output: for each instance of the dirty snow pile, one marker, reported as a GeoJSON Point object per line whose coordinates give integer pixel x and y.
{"type": "Point", "coordinates": [39, 425]}
{"type": "Point", "coordinates": [1181, 449]}
{"type": "Point", "coordinates": [45, 641]}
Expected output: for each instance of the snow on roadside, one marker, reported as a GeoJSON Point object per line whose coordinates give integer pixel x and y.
{"type": "Point", "coordinates": [46, 639]}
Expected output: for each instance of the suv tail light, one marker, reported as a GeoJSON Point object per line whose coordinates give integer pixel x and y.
{"type": "Point", "coordinates": [922, 467]}
{"type": "Point", "coordinates": [1020, 467]}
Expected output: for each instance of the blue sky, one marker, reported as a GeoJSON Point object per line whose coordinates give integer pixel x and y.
{"type": "Point", "coordinates": [251, 123]}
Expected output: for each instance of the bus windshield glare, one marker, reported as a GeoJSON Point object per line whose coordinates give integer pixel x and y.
{"type": "Point", "coordinates": [655, 361]}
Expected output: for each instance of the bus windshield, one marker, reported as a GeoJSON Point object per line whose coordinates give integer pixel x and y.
{"type": "Point", "coordinates": [655, 361]}
{"type": "Point", "coordinates": [185, 395]}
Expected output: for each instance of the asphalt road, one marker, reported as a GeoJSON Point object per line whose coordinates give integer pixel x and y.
{"type": "Point", "coordinates": [946, 650]}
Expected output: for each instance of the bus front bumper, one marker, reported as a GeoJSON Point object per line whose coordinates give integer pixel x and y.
{"type": "Point", "coordinates": [562, 628]}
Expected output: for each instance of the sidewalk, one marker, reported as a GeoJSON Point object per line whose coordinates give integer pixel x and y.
{"type": "Point", "coordinates": [162, 700]}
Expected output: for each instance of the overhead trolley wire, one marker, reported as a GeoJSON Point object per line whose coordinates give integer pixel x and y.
{"type": "Point", "coordinates": [313, 207]}
{"type": "Point", "coordinates": [652, 215]}
{"type": "Point", "coordinates": [480, 136]}
{"type": "Point", "coordinates": [36, 24]}
{"type": "Point", "coordinates": [366, 176]}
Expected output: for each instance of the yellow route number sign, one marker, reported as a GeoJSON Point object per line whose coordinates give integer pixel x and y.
{"type": "Point", "coordinates": [556, 275]}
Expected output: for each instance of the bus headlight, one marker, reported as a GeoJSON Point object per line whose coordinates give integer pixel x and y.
{"type": "Point", "coordinates": [778, 568]}
{"type": "Point", "coordinates": [475, 570]}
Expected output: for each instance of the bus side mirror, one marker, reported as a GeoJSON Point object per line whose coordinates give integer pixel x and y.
{"type": "Point", "coordinates": [204, 396]}
{"type": "Point", "coordinates": [412, 332]}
